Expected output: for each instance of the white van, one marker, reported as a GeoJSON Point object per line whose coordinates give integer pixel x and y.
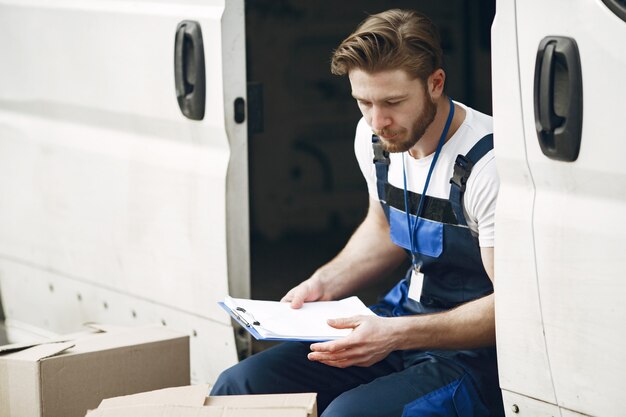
{"type": "Point", "coordinates": [125, 173]}
{"type": "Point", "coordinates": [558, 101]}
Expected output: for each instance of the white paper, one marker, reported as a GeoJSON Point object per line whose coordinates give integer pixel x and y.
{"type": "Point", "coordinates": [279, 320]}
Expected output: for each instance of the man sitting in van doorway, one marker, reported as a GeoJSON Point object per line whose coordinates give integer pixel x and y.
{"type": "Point", "coordinates": [430, 170]}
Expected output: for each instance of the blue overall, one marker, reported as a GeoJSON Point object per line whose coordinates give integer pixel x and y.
{"type": "Point", "coordinates": [449, 257]}
{"type": "Point", "coordinates": [407, 383]}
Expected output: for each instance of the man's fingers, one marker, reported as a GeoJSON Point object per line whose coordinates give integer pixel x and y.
{"type": "Point", "coordinates": [295, 297]}
{"type": "Point", "coordinates": [297, 301]}
{"type": "Point", "coordinates": [337, 364]}
{"type": "Point", "coordinates": [340, 359]}
{"type": "Point", "coordinates": [328, 356]}
{"type": "Point", "coordinates": [299, 296]}
{"type": "Point", "coordinates": [287, 297]}
{"type": "Point", "coordinates": [333, 346]}
{"type": "Point", "coordinates": [344, 322]}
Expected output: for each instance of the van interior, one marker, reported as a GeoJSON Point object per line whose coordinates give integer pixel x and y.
{"type": "Point", "coordinates": [307, 194]}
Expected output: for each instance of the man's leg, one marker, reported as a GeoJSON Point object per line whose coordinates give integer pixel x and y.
{"type": "Point", "coordinates": [286, 369]}
{"type": "Point", "coordinates": [430, 387]}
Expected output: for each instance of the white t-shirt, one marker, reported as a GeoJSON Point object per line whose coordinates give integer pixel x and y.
{"type": "Point", "coordinates": [481, 191]}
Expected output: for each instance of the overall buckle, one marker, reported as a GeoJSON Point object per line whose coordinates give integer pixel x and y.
{"type": "Point", "coordinates": [462, 169]}
{"type": "Point", "coordinates": [380, 155]}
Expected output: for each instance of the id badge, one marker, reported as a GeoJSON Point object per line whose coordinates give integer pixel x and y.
{"type": "Point", "coordinates": [417, 281]}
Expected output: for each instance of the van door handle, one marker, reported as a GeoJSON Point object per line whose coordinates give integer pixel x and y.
{"type": "Point", "coordinates": [558, 98]}
{"type": "Point", "coordinates": [189, 75]}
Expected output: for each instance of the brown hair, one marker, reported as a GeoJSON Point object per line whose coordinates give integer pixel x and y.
{"type": "Point", "coordinates": [394, 39]}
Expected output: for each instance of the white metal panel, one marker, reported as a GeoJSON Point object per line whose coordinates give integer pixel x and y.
{"type": "Point", "coordinates": [136, 215]}
{"type": "Point", "coordinates": [516, 405]}
{"type": "Point", "coordinates": [522, 360]}
{"type": "Point", "coordinates": [237, 195]}
{"type": "Point", "coordinates": [104, 185]}
{"type": "Point", "coordinates": [212, 345]}
{"type": "Point", "coordinates": [569, 413]}
{"type": "Point", "coordinates": [579, 234]}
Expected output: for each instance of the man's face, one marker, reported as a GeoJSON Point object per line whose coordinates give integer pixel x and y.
{"type": "Point", "coordinates": [396, 107]}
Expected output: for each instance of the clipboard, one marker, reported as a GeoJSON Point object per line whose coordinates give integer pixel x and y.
{"type": "Point", "coordinates": [250, 328]}
{"type": "Point", "coordinates": [285, 324]}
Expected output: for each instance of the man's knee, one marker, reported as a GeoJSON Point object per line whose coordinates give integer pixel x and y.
{"type": "Point", "coordinates": [247, 377]}
{"type": "Point", "coordinates": [262, 373]}
{"type": "Point", "coordinates": [343, 406]}
{"type": "Point", "coordinates": [229, 383]}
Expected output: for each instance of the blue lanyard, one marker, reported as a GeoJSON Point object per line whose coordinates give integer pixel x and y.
{"type": "Point", "coordinates": [413, 227]}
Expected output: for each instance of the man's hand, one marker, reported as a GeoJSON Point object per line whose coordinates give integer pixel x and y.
{"type": "Point", "coordinates": [309, 290]}
{"type": "Point", "coordinates": [372, 339]}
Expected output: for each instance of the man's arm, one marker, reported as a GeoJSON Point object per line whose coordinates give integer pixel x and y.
{"type": "Point", "coordinates": [470, 325]}
{"type": "Point", "coordinates": [367, 256]}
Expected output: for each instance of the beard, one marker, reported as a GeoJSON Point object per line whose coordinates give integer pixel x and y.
{"type": "Point", "coordinates": [400, 144]}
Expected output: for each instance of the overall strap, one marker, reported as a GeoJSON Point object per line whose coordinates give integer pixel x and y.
{"type": "Point", "coordinates": [381, 162]}
{"type": "Point", "coordinates": [462, 170]}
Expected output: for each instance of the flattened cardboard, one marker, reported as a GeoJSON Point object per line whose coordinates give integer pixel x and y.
{"type": "Point", "coordinates": [192, 395]}
{"type": "Point", "coordinates": [268, 400]}
{"type": "Point", "coordinates": [208, 411]}
{"type": "Point", "coordinates": [158, 411]}
{"type": "Point", "coordinates": [191, 401]}
{"type": "Point", "coordinates": [39, 352]}
{"type": "Point", "coordinates": [67, 379]}
{"type": "Point", "coordinates": [14, 347]}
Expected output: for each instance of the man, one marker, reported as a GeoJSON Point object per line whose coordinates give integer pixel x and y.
{"type": "Point", "coordinates": [430, 349]}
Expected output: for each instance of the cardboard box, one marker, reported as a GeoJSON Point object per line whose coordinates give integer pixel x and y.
{"type": "Point", "coordinates": [68, 376]}
{"type": "Point", "coordinates": [192, 401]}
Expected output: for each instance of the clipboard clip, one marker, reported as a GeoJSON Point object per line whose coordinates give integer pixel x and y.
{"type": "Point", "coordinates": [248, 320]}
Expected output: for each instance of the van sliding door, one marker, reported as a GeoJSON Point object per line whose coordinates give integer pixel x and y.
{"type": "Point", "coordinates": [571, 68]}
{"type": "Point", "coordinates": [522, 358]}
{"type": "Point", "coordinates": [122, 202]}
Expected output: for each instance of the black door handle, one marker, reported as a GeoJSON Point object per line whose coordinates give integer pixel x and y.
{"type": "Point", "coordinates": [618, 7]}
{"type": "Point", "coordinates": [558, 98]}
{"type": "Point", "coordinates": [189, 75]}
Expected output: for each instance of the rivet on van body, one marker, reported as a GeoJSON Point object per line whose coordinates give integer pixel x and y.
{"type": "Point", "coordinates": [515, 408]}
